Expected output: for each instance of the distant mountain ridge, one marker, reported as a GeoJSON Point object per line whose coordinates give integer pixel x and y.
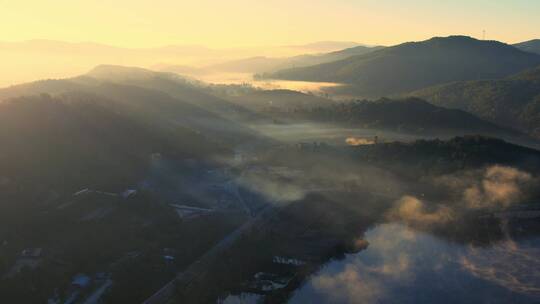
{"type": "Point", "coordinates": [532, 46]}
{"type": "Point", "coordinates": [264, 64]}
{"type": "Point", "coordinates": [24, 61]}
{"type": "Point", "coordinates": [415, 65]}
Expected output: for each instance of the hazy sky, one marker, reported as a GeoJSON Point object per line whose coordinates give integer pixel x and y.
{"type": "Point", "coordinates": [230, 23]}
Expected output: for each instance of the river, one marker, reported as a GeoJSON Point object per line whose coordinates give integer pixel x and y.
{"type": "Point", "coordinates": [402, 265]}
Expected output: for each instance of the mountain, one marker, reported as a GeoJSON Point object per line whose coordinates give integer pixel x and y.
{"type": "Point", "coordinates": [415, 65]}
{"type": "Point", "coordinates": [263, 64]}
{"type": "Point", "coordinates": [325, 46]}
{"type": "Point", "coordinates": [262, 100]}
{"type": "Point", "coordinates": [65, 164]}
{"type": "Point", "coordinates": [176, 86]}
{"type": "Point", "coordinates": [423, 157]}
{"type": "Point", "coordinates": [531, 46]}
{"type": "Point", "coordinates": [513, 101]}
{"type": "Point", "coordinates": [33, 60]}
{"type": "Point", "coordinates": [72, 141]}
{"type": "Point", "coordinates": [410, 115]}
{"type": "Point", "coordinates": [269, 64]}
{"type": "Point", "coordinates": [160, 99]}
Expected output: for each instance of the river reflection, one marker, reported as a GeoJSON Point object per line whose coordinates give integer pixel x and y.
{"type": "Point", "coordinates": [405, 266]}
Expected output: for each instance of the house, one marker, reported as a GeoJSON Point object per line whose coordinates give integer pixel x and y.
{"type": "Point", "coordinates": [80, 280]}
{"type": "Point", "coordinates": [129, 193]}
{"type": "Point", "coordinates": [31, 253]}
{"type": "Point", "coordinates": [287, 261]}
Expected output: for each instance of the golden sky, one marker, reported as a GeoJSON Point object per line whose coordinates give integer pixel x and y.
{"type": "Point", "coordinates": [234, 23]}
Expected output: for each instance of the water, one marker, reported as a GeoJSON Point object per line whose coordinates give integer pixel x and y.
{"type": "Point", "coordinates": [405, 266]}
{"type": "Point", "coordinates": [267, 84]}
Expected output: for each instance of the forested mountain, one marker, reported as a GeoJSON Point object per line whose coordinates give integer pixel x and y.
{"type": "Point", "coordinates": [262, 64]}
{"type": "Point", "coordinates": [76, 140]}
{"type": "Point", "coordinates": [191, 92]}
{"type": "Point", "coordinates": [262, 100]}
{"type": "Point", "coordinates": [158, 98]}
{"type": "Point", "coordinates": [532, 46]}
{"type": "Point", "coordinates": [268, 64]}
{"type": "Point", "coordinates": [513, 101]}
{"type": "Point", "coordinates": [423, 157]}
{"type": "Point", "coordinates": [415, 65]}
{"type": "Point", "coordinates": [405, 115]}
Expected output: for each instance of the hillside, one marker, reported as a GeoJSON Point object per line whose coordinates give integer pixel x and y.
{"type": "Point", "coordinates": [415, 65]}
{"type": "Point", "coordinates": [531, 46]}
{"type": "Point", "coordinates": [423, 157]}
{"type": "Point", "coordinates": [269, 64]}
{"type": "Point", "coordinates": [262, 100]}
{"type": "Point", "coordinates": [410, 115]}
{"type": "Point", "coordinates": [72, 141]}
{"type": "Point", "coordinates": [157, 98]}
{"type": "Point", "coordinates": [177, 87]}
{"type": "Point", "coordinates": [513, 101]}
{"type": "Point", "coordinates": [264, 64]}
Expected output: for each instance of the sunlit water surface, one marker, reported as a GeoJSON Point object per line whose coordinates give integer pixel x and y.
{"type": "Point", "coordinates": [405, 266]}
{"type": "Point", "coordinates": [247, 78]}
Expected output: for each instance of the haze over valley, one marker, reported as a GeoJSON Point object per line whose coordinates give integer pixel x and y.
{"type": "Point", "coordinates": [246, 152]}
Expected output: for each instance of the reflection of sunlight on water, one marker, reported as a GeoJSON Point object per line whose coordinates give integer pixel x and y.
{"type": "Point", "coordinates": [247, 78]}
{"type": "Point", "coordinates": [508, 265]}
{"type": "Point", "coordinates": [405, 266]}
{"type": "Point", "coordinates": [301, 86]}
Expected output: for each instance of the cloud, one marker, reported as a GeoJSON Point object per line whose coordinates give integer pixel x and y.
{"type": "Point", "coordinates": [411, 210]}
{"type": "Point", "coordinates": [275, 189]}
{"type": "Point", "coordinates": [362, 280]}
{"type": "Point", "coordinates": [399, 258]}
{"type": "Point", "coordinates": [500, 187]}
{"type": "Point", "coordinates": [493, 187]}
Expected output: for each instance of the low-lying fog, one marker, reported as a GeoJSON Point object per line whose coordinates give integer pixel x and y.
{"type": "Point", "coordinates": [415, 267]}
{"type": "Point", "coordinates": [328, 133]}
{"type": "Point", "coordinates": [266, 84]}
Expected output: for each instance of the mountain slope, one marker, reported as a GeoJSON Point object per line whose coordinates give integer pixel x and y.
{"type": "Point", "coordinates": [150, 101]}
{"type": "Point", "coordinates": [407, 115]}
{"type": "Point", "coordinates": [531, 46]}
{"type": "Point", "coordinates": [173, 85]}
{"type": "Point", "coordinates": [415, 65]}
{"type": "Point", "coordinates": [269, 64]}
{"type": "Point", "coordinates": [262, 100]}
{"type": "Point", "coordinates": [263, 64]}
{"type": "Point", "coordinates": [73, 141]}
{"type": "Point", "coordinates": [513, 101]}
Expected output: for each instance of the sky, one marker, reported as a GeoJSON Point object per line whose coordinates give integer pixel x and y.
{"type": "Point", "coordinates": [241, 23]}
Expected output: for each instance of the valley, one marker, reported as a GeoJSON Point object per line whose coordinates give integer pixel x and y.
{"type": "Point", "coordinates": [290, 171]}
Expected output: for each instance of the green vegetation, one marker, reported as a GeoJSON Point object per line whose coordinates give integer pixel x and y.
{"type": "Point", "coordinates": [435, 157]}
{"type": "Point", "coordinates": [409, 115]}
{"type": "Point", "coordinates": [268, 100]}
{"type": "Point", "coordinates": [513, 102]}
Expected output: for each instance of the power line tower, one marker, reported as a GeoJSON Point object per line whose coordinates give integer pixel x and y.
{"type": "Point", "coordinates": [483, 34]}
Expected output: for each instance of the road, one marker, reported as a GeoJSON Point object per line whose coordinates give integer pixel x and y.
{"type": "Point", "coordinates": [96, 296]}
{"type": "Point", "coordinates": [200, 267]}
